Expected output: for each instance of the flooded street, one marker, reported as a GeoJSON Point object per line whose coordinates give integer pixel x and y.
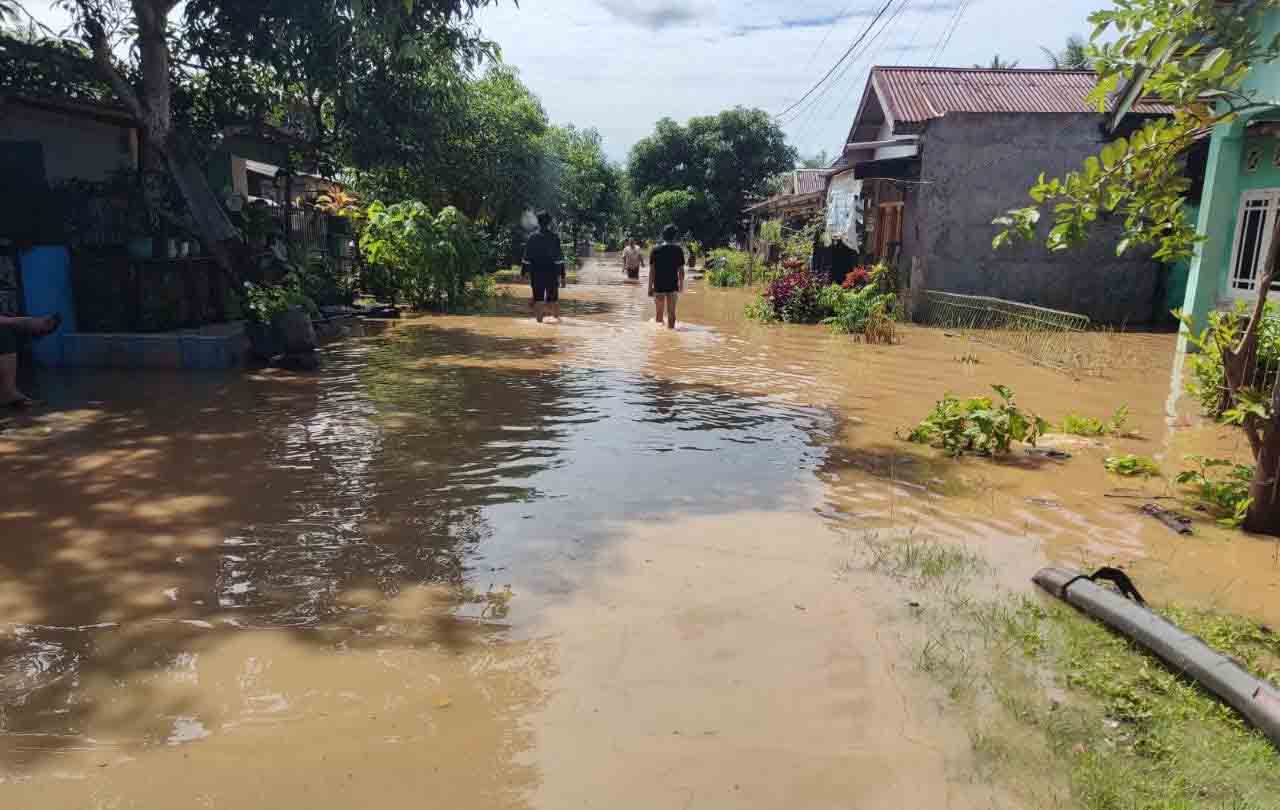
{"type": "Point", "coordinates": [480, 562]}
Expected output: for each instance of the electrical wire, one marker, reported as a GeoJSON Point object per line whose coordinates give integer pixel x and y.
{"type": "Point", "coordinates": [809, 118]}
{"type": "Point", "coordinates": [839, 61]}
{"type": "Point", "coordinates": [813, 103]}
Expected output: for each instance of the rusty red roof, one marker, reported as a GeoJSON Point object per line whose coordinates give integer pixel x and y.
{"type": "Point", "coordinates": [811, 180]}
{"type": "Point", "coordinates": [917, 94]}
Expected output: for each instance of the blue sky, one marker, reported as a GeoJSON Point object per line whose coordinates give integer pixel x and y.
{"type": "Point", "coordinates": [620, 65]}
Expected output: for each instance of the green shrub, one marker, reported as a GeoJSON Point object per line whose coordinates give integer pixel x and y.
{"type": "Point", "coordinates": [1131, 465]}
{"type": "Point", "coordinates": [429, 259]}
{"type": "Point", "coordinates": [1225, 495]}
{"type": "Point", "coordinates": [1208, 381]}
{"type": "Point", "coordinates": [1078, 425]}
{"type": "Point", "coordinates": [865, 311]}
{"type": "Point", "coordinates": [727, 268]}
{"type": "Point", "coordinates": [266, 302]}
{"type": "Point", "coordinates": [978, 425]}
{"type": "Point", "coordinates": [761, 310]}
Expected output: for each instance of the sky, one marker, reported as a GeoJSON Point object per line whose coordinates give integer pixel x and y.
{"type": "Point", "coordinates": [620, 65]}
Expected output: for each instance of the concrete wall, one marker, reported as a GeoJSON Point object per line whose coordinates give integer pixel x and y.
{"type": "Point", "coordinates": [977, 166]}
{"type": "Point", "coordinates": [74, 146]}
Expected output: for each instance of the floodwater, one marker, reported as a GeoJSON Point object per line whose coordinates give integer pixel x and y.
{"type": "Point", "coordinates": [479, 562]}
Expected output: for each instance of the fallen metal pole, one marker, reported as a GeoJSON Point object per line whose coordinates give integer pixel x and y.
{"type": "Point", "coordinates": [1256, 699]}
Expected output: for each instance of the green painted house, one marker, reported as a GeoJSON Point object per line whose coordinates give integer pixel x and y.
{"type": "Point", "coordinates": [1239, 202]}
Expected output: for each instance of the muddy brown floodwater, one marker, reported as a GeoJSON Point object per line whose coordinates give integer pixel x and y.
{"type": "Point", "coordinates": [481, 563]}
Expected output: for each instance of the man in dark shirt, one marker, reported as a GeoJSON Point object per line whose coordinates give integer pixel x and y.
{"type": "Point", "coordinates": [666, 275]}
{"type": "Point", "coordinates": [544, 262]}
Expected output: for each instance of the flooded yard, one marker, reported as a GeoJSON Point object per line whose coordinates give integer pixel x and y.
{"type": "Point", "coordinates": [481, 562]}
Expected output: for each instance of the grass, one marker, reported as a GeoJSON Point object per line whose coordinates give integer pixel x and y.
{"type": "Point", "coordinates": [1130, 465]}
{"type": "Point", "coordinates": [513, 276]}
{"type": "Point", "coordinates": [1085, 719]}
{"type": "Point", "coordinates": [922, 559]}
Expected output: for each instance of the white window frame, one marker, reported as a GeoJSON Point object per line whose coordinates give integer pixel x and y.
{"type": "Point", "coordinates": [1267, 199]}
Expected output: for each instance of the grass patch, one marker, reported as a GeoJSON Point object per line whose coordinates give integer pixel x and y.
{"type": "Point", "coordinates": [1077, 425]}
{"type": "Point", "coordinates": [1130, 465]}
{"type": "Point", "coordinates": [920, 558]}
{"type": "Point", "coordinates": [1066, 713]}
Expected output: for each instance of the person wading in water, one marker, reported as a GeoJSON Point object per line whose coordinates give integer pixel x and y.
{"type": "Point", "coordinates": [632, 259]}
{"type": "Point", "coordinates": [666, 275]}
{"type": "Point", "coordinates": [544, 262]}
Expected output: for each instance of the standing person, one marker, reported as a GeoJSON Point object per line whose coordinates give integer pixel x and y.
{"type": "Point", "coordinates": [544, 262]}
{"type": "Point", "coordinates": [632, 259]}
{"type": "Point", "coordinates": [666, 275]}
{"type": "Point", "coordinates": [10, 328]}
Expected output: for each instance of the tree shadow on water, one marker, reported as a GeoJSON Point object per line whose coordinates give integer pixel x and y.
{"type": "Point", "coordinates": [180, 511]}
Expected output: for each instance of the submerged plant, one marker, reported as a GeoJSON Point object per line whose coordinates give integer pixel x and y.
{"type": "Point", "coordinates": [1078, 425]}
{"type": "Point", "coordinates": [1221, 486]}
{"type": "Point", "coordinates": [978, 425]}
{"type": "Point", "coordinates": [1131, 465]}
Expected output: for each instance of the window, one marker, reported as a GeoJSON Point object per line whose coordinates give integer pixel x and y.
{"type": "Point", "coordinates": [1253, 237]}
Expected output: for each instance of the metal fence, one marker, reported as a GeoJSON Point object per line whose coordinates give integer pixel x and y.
{"type": "Point", "coordinates": [1047, 336]}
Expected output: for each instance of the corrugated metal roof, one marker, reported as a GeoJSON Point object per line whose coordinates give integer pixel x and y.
{"type": "Point", "coordinates": [811, 180]}
{"type": "Point", "coordinates": [917, 94]}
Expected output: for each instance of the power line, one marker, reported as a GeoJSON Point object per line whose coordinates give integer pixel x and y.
{"type": "Point", "coordinates": [948, 31]}
{"type": "Point", "coordinates": [827, 36]}
{"type": "Point", "coordinates": [839, 100]}
{"type": "Point", "coordinates": [817, 112]}
{"type": "Point", "coordinates": [839, 61]}
{"type": "Point", "coordinates": [816, 101]}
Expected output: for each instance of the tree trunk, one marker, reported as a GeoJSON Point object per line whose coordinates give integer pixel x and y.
{"type": "Point", "coordinates": [1240, 368]}
{"type": "Point", "coordinates": [153, 111]}
{"type": "Point", "coordinates": [1264, 511]}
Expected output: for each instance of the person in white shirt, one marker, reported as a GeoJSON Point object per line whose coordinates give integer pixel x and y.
{"type": "Point", "coordinates": [632, 260]}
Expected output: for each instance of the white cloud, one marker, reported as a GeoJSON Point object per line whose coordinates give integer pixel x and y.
{"type": "Point", "coordinates": [654, 14]}
{"type": "Point", "coordinates": [620, 65]}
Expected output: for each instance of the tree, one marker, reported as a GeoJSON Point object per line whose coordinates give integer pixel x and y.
{"type": "Point", "coordinates": [726, 158]}
{"type": "Point", "coordinates": [588, 191]}
{"type": "Point", "coordinates": [325, 52]}
{"type": "Point", "coordinates": [818, 161]}
{"type": "Point", "coordinates": [1073, 56]}
{"type": "Point", "coordinates": [1196, 56]}
{"type": "Point", "coordinates": [671, 207]}
{"type": "Point", "coordinates": [103, 24]}
{"type": "Point", "coordinates": [998, 64]}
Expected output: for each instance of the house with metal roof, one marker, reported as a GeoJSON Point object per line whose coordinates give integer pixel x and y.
{"type": "Point", "coordinates": [935, 154]}
{"type": "Point", "coordinates": [801, 193]}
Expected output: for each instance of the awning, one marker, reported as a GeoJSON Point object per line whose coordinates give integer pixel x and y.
{"type": "Point", "coordinates": [903, 168]}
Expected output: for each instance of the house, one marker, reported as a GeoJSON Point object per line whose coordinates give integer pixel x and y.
{"type": "Point", "coordinates": [801, 195]}
{"type": "Point", "coordinates": [935, 154]}
{"type": "Point", "coordinates": [1239, 199]}
{"type": "Point", "coordinates": [47, 143]}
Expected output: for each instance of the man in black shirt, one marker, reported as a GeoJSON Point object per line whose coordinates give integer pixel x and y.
{"type": "Point", "coordinates": [544, 262]}
{"type": "Point", "coordinates": [666, 275]}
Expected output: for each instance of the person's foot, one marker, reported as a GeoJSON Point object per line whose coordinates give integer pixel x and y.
{"type": "Point", "coordinates": [46, 325]}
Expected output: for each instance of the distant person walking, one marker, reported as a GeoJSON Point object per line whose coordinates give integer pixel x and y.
{"type": "Point", "coordinates": [544, 262]}
{"type": "Point", "coordinates": [666, 275]}
{"type": "Point", "coordinates": [632, 259]}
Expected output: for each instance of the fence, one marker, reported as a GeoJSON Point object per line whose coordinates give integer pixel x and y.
{"type": "Point", "coordinates": [1047, 336]}
{"type": "Point", "coordinates": [116, 293]}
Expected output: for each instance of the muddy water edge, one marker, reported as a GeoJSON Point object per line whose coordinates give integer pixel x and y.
{"type": "Point", "coordinates": [483, 561]}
